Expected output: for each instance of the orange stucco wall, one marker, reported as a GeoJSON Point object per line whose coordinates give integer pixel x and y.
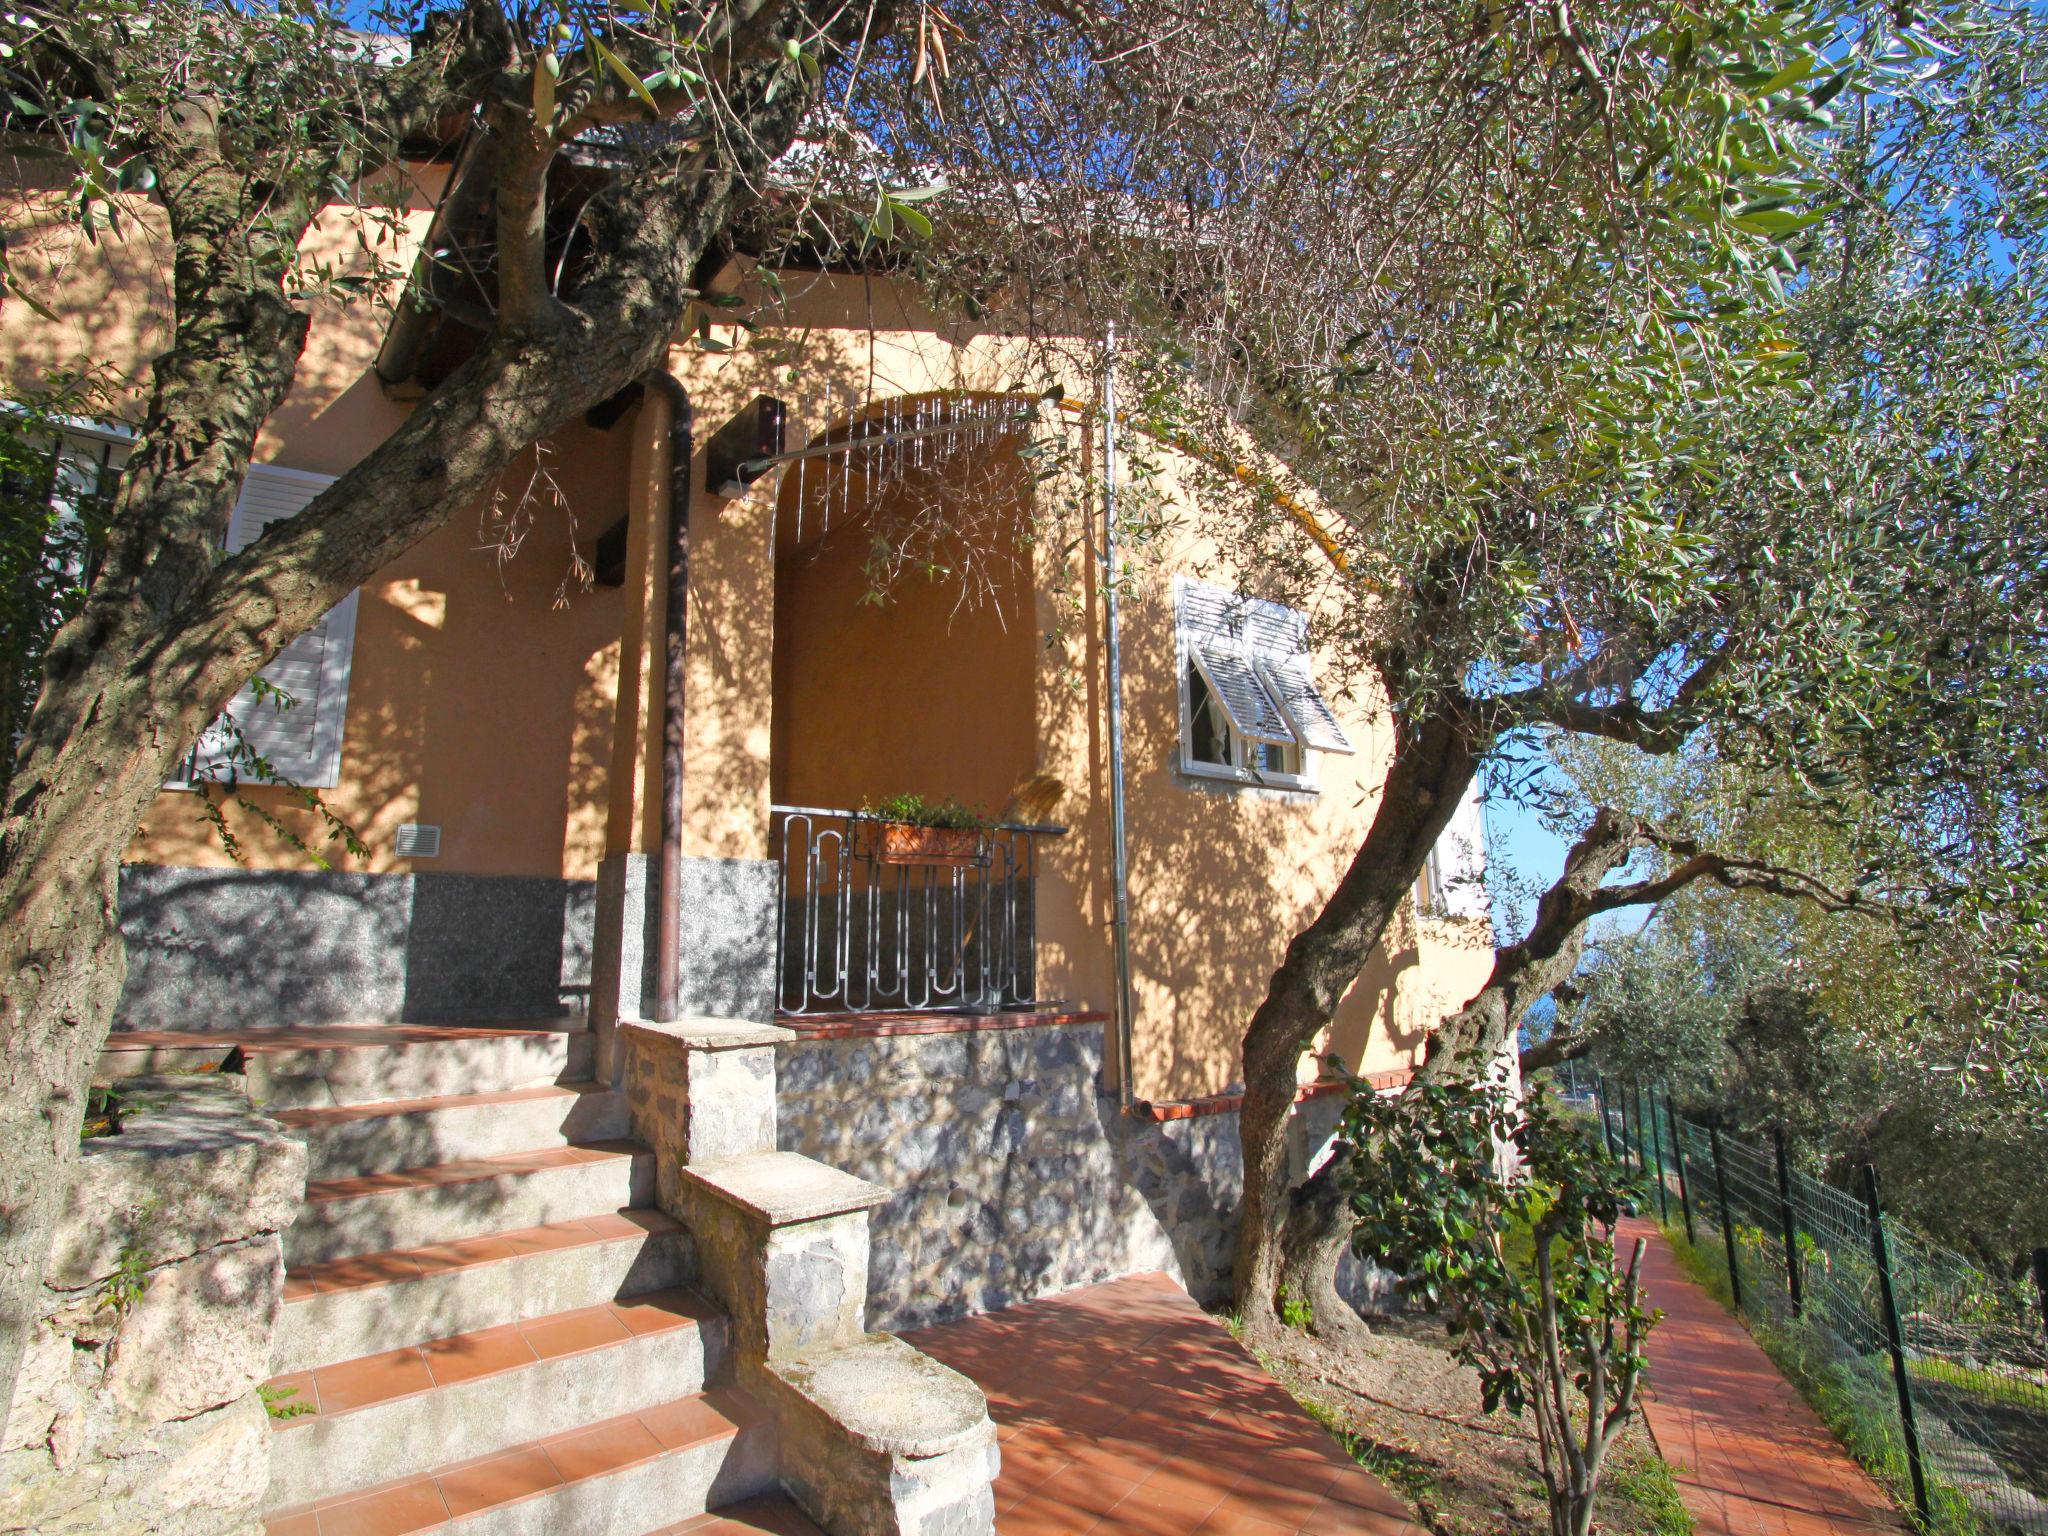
{"type": "Point", "coordinates": [479, 699]}
{"type": "Point", "coordinates": [916, 693]}
{"type": "Point", "coordinates": [519, 723]}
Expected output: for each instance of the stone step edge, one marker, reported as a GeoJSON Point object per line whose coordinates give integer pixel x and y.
{"type": "Point", "coordinates": [476, 1170]}
{"type": "Point", "coordinates": [324, 1116]}
{"type": "Point", "coordinates": [775, 1514]}
{"type": "Point", "coordinates": [331, 1037]}
{"type": "Point", "coordinates": [642, 1316]}
{"type": "Point", "coordinates": [406, 1266]}
{"type": "Point", "coordinates": [736, 1415]}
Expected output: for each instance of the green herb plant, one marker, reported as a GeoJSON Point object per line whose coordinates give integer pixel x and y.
{"type": "Point", "coordinates": [913, 810]}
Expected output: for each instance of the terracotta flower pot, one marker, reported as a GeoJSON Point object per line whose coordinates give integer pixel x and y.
{"type": "Point", "coordinates": [898, 842]}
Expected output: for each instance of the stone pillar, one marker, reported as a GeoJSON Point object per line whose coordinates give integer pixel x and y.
{"type": "Point", "coordinates": [875, 1438]}
{"type": "Point", "coordinates": [701, 1091]}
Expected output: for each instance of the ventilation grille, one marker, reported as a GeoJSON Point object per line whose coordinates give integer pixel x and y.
{"type": "Point", "coordinates": [417, 840]}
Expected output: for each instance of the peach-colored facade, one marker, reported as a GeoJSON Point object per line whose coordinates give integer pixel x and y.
{"type": "Point", "coordinates": [519, 718]}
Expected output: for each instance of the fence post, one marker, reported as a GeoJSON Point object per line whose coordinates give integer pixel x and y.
{"type": "Point", "coordinates": [1606, 1129]}
{"type": "Point", "coordinates": [1657, 1146]}
{"type": "Point", "coordinates": [1635, 1096]}
{"type": "Point", "coordinates": [1678, 1146]}
{"type": "Point", "coordinates": [1895, 1337]}
{"type": "Point", "coordinates": [2041, 1283]}
{"type": "Point", "coordinates": [1792, 1281]}
{"type": "Point", "coordinates": [1727, 1217]}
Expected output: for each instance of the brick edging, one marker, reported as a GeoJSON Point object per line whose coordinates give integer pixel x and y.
{"type": "Point", "coordinates": [1229, 1103]}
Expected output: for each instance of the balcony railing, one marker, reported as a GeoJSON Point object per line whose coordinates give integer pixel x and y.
{"type": "Point", "coordinates": [869, 925]}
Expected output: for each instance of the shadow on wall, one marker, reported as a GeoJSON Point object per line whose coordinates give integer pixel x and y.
{"type": "Point", "coordinates": [239, 949]}
{"type": "Point", "coordinates": [480, 697]}
{"type": "Point", "coordinates": [1012, 1173]}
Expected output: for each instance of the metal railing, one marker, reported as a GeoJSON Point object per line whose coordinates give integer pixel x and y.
{"type": "Point", "coordinates": [867, 927]}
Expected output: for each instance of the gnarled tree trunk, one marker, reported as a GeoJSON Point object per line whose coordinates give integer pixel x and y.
{"type": "Point", "coordinates": [171, 630]}
{"type": "Point", "coordinates": [1434, 761]}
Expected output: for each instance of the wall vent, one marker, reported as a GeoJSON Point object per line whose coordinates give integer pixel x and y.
{"type": "Point", "coordinates": [417, 840]}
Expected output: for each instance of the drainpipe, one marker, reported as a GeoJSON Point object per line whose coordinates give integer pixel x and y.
{"type": "Point", "coordinates": [1120, 872]}
{"type": "Point", "coordinates": [676, 630]}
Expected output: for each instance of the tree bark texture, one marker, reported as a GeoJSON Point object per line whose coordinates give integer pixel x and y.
{"type": "Point", "coordinates": [1434, 761]}
{"type": "Point", "coordinates": [172, 629]}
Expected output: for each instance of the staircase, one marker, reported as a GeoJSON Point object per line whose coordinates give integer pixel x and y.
{"type": "Point", "coordinates": [487, 1326]}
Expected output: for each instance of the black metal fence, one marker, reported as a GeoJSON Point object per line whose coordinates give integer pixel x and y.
{"type": "Point", "coordinates": [869, 924]}
{"type": "Point", "coordinates": [1935, 1373]}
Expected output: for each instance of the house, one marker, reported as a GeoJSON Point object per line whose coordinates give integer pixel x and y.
{"type": "Point", "coordinates": [568, 835]}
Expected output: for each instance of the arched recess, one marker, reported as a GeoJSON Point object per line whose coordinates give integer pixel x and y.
{"type": "Point", "coordinates": [905, 642]}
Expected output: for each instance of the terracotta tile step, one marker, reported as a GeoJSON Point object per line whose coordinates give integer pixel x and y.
{"type": "Point", "coordinates": [327, 1037]}
{"type": "Point", "coordinates": [341, 1309]}
{"type": "Point", "coordinates": [402, 1412]}
{"type": "Point", "coordinates": [471, 1170]}
{"type": "Point", "coordinates": [323, 1065]}
{"type": "Point", "coordinates": [320, 1117]}
{"type": "Point", "coordinates": [303, 1281]}
{"type": "Point", "coordinates": [353, 1385]}
{"type": "Point", "coordinates": [470, 1197]}
{"type": "Point", "coordinates": [614, 1478]}
{"type": "Point", "coordinates": [347, 1140]}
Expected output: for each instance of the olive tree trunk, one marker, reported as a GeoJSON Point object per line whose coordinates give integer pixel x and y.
{"type": "Point", "coordinates": [172, 629]}
{"type": "Point", "coordinates": [1434, 761]}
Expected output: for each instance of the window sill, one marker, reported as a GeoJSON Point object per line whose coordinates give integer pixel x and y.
{"type": "Point", "coordinates": [1206, 776]}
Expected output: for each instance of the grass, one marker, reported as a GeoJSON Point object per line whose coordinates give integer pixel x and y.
{"type": "Point", "coordinates": [277, 1402]}
{"type": "Point", "coordinates": [1853, 1397]}
{"type": "Point", "coordinates": [1649, 1485]}
{"type": "Point", "coordinates": [1407, 1474]}
{"type": "Point", "coordinates": [2028, 1392]}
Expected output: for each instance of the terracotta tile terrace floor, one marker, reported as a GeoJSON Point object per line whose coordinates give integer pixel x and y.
{"type": "Point", "coordinates": [1752, 1459]}
{"type": "Point", "coordinates": [1125, 1408]}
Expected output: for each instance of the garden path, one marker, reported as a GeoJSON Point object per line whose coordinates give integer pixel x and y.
{"type": "Point", "coordinates": [1126, 1410]}
{"type": "Point", "coordinates": [1752, 1458]}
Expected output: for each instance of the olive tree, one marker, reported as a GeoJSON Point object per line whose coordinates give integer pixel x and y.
{"type": "Point", "coordinates": [1807, 535]}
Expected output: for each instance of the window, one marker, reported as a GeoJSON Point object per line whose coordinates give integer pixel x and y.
{"type": "Point", "coordinates": [300, 740]}
{"type": "Point", "coordinates": [1250, 709]}
{"type": "Point", "coordinates": [1453, 879]}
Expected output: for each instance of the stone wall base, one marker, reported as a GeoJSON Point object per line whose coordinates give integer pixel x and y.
{"type": "Point", "coordinates": [1013, 1175]}
{"type": "Point", "coordinates": [136, 1409]}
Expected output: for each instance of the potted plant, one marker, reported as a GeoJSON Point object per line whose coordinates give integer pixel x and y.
{"type": "Point", "coordinates": [914, 830]}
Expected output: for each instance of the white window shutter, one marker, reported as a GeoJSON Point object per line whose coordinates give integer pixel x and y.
{"type": "Point", "coordinates": [1232, 682]}
{"type": "Point", "coordinates": [302, 743]}
{"type": "Point", "coordinates": [1254, 656]}
{"type": "Point", "coordinates": [1306, 709]}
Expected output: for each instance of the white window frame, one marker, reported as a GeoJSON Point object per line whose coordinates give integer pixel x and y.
{"type": "Point", "coordinates": [1445, 895]}
{"type": "Point", "coordinates": [1239, 769]}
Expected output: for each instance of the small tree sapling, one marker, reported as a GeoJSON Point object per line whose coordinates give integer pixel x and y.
{"type": "Point", "coordinates": [1501, 1215]}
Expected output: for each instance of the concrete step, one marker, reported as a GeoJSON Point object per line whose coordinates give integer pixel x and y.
{"type": "Point", "coordinates": [357, 1063]}
{"type": "Point", "coordinates": [622, 1477]}
{"type": "Point", "coordinates": [395, 1414]}
{"type": "Point", "coordinates": [414, 1207]}
{"type": "Point", "coordinates": [769, 1515]}
{"type": "Point", "coordinates": [343, 1308]}
{"type": "Point", "coordinates": [346, 1139]}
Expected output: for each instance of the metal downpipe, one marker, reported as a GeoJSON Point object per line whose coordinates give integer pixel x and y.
{"type": "Point", "coordinates": [1120, 871]}
{"type": "Point", "coordinates": [675, 656]}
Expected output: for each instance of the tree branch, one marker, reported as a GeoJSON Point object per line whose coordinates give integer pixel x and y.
{"type": "Point", "coordinates": [1658, 731]}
